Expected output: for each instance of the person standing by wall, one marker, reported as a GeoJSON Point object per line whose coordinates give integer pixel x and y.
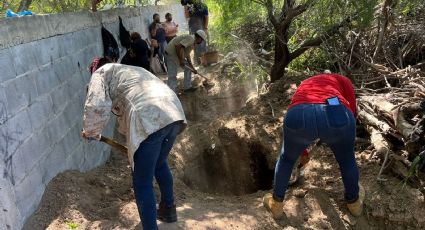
{"type": "Point", "coordinates": [323, 107]}
{"type": "Point", "coordinates": [197, 13]}
{"type": "Point", "coordinates": [138, 53]}
{"type": "Point", "coordinates": [151, 116]}
{"type": "Point", "coordinates": [157, 33]}
{"type": "Point", "coordinates": [171, 28]}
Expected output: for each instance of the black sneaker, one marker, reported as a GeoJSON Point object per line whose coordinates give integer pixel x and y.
{"type": "Point", "coordinates": [191, 89]}
{"type": "Point", "coordinates": [167, 215]}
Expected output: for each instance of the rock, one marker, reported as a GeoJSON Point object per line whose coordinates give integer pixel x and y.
{"type": "Point", "coordinates": [300, 193]}
{"type": "Point", "coordinates": [351, 220]}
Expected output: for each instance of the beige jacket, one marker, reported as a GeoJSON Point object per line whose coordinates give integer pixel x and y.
{"type": "Point", "coordinates": [142, 103]}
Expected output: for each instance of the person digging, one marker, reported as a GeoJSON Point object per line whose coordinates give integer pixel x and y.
{"type": "Point", "coordinates": [177, 54]}
{"type": "Point", "coordinates": [151, 116]}
{"type": "Point", "coordinates": [323, 107]}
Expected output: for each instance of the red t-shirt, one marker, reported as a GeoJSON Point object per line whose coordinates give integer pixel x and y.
{"type": "Point", "coordinates": [316, 89]}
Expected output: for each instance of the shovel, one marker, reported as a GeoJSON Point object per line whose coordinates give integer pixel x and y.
{"type": "Point", "coordinates": [207, 83]}
{"type": "Point", "coordinates": [121, 148]}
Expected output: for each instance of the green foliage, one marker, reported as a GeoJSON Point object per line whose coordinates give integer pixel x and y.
{"type": "Point", "coordinates": [252, 70]}
{"type": "Point", "coordinates": [55, 6]}
{"type": "Point", "coordinates": [314, 59]}
{"type": "Point", "coordinates": [226, 16]}
{"type": "Point", "coordinates": [71, 225]}
{"type": "Point", "coordinates": [410, 7]}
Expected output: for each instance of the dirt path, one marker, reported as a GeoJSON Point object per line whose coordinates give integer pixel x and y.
{"type": "Point", "coordinates": [103, 199]}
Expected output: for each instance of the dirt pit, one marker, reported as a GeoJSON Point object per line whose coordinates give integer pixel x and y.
{"type": "Point", "coordinates": [222, 164]}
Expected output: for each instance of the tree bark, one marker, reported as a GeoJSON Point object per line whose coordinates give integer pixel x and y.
{"type": "Point", "coordinates": [24, 5]}
{"type": "Point", "coordinates": [281, 58]}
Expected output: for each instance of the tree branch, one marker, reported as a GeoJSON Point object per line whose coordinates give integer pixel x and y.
{"type": "Point", "coordinates": [317, 41]}
{"type": "Point", "coordinates": [269, 6]}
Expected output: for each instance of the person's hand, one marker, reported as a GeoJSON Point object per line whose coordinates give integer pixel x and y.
{"type": "Point", "coordinates": [87, 137]}
{"type": "Point", "coordinates": [182, 65]}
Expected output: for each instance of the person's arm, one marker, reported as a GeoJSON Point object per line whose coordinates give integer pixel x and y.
{"type": "Point", "coordinates": [206, 23]}
{"type": "Point", "coordinates": [153, 30]}
{"type": "Point", "coordinates": [186, 11]}
{"type": "Point", "coordinates": [176, 28]}
{"type": "Point", "coordinates": [206, 20]}
{"type": "Point", "coordinates": [97, 106]}
{"type": "Point", "coordinates": [180, 54]}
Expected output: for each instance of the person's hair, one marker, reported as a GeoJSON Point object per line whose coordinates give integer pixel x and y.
{"type": "Point", "coordinates": [154, 15]}
{"type": "Point", "coordinates": [99, 62]}
{"type": "Point", "coordinates": [135, 36]}
{"type": "Point", "coordinates": [167, 15]}
{"type": "Point", "coordinates": [197, 36]}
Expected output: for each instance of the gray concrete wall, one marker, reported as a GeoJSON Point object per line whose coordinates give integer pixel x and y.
{"type": "Point", "coordinates": [43, 73]}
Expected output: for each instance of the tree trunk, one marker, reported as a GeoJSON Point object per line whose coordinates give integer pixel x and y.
{"type": "Point", "coordinates": [281, 59]}
{"type": "Point", "coordinates": [383, 24]}
{"type": "Point", "coordinates": [24, 5]}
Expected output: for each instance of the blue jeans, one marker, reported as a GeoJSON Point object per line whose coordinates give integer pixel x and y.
{"type": "Point", "coordinates": [334, 125]}
{"type": "Point", "coordinates": [150, 160]}
{"type": "Point", "coordinates": [172, 74]}
{"type": "Point", "coordinates": [161, 51]}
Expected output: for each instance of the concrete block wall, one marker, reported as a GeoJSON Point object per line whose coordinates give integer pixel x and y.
{"type": "Point", "coordinates": [43, 74]}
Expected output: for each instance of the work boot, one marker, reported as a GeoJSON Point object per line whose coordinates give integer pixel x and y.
{"type": "Point", "coordinates": [356, 208]}
{"type": "Point", "coordinates": [273, 206]}
{"type": "Point", "coordinates": [167, 215]}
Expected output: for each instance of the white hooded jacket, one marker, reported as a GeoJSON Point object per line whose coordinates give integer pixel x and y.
{"type": "Point", "coordinates": [142, 103]}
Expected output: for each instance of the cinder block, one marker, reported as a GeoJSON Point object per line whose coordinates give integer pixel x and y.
{"type": "Point", "coordinates": [73, 112]}
{"type": "Point", "coordinates": [19, 170]}
{"type": "Point", "coordinates": [57, 128]}
{"type": "Point", "coordinates": [71, 162]}
{"type": "Point", "coordinates": [35, 148]}
{"type": "Point", "coordinates": [46, 80]}
{"type": "Point", "coordinates": [63, 68]}
{"type": "Point", "coordinates": [71, 140]}
{"type": "Point", "coordinates": [29, 192]}
{"type": "Point", "coordinates": [29, 185]}
{"type": "Point", "coordinates": [18, 129]}
{"type": "Point", "coordinates": [3, 106]}
{"type": "Point", "coordinates": [22, 29]}
{"type": "Point", "coordinates": [53, 163]}
{"type": "Point", "coordinates": [66, 45]}
{"type": "Point", "coordinates": [24, 57]}
{"type": "Point", "coordinates": [7, 66]}
{"type": "Point", "coordinates": [29, 204]}
{"type": "Point", "coordinates": [60, 98]}
{"type": "Point", "coordinates": [40, 111]}
{"type": "Point", "coordinates": [10, 217]}
{"type": "Point", "coordinates": [20, 92]}
{"type": "Point", "coordinates": [47, 50]}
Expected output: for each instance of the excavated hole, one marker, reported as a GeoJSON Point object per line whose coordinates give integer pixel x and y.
{"type": "Point", "coordinates": [242, 169]}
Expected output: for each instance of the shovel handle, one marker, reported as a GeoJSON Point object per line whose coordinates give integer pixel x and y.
{"type": "Point", "coordinates": [193, 71]}
{"type": "Point", "coordinates": [123, 149]}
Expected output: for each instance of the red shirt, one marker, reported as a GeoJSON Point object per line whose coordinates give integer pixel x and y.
{"type": "Point", "coordinates": [316, 89]}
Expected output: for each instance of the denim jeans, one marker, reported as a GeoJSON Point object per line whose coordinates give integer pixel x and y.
{"type": "Point", "coordinates": [150, 160]}
{"type": "Point", "coordinates": [334, 125]}
{"type": "Point", "coordinates": [200, 49]}
{"type": "Point", "coordinates": [161, 51]}
{"type": "Point", "coordinates": [172, 74]}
